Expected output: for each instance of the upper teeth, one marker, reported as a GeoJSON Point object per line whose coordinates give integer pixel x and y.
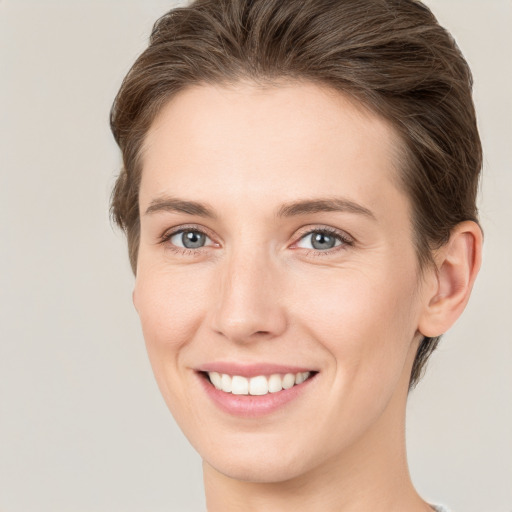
{"type": "Point", "coordinates": [260, 385]}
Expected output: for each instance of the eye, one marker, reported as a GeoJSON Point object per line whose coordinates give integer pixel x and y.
{"type": "Point", "coordinates": [188, 239]}
{"type": "Point", "coordinates": [323, 240]}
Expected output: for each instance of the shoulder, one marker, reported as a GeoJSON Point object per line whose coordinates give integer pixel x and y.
{"type": "Point", "coordinates": [440, 508]}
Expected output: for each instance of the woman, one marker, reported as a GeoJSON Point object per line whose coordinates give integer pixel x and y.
{"type": "Point", "coordinates": [298, 194]}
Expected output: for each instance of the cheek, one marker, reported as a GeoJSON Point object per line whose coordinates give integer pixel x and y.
{"type": "Point", "coordinates": [169, 304]}
{"type": "Point", "coordinates": [366, 321]}
{"type": "Point", "coordinates": [367, 327]}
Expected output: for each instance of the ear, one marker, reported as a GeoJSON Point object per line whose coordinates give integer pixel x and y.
{"type": "Point", "coordinates": [457, 265]}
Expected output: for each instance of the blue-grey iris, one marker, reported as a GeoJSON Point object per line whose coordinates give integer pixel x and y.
{"type": "Point", "coordinates": [322, 241]}
{"type": "Point", "coordinates": [192, 239]}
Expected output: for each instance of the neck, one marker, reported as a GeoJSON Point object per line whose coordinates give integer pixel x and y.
{"type": "Point", "coordinates": [371, 475]}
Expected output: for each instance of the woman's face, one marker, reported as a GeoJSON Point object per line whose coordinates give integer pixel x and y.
{"type": "Point", "coordinates": [275, 240]}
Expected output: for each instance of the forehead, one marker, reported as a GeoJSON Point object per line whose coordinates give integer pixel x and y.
{"type": "Point", "coordinates": [283, 111]}
{"type": "Point", "coordinates": [268, 141]}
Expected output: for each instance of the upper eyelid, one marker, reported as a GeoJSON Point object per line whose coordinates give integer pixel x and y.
{"type": "Point", "coordinates": [302, 231]}
{"type": "Point", "coordinates": [168, 233]}
{"type": "Point", "coordinates": [343, 235]}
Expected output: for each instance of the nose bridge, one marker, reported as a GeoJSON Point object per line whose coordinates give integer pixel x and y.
{"type": "Point", "coordinates": [249, 302]}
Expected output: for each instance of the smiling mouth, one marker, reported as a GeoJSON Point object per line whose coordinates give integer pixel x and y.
{"type": "Point", "coordinates": [258, 385]}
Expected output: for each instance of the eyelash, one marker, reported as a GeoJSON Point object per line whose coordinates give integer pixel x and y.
{"type": "Point", "coordinates": [345, 240]}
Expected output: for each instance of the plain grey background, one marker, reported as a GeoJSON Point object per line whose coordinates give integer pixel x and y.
{"type": "Point", "coordinates": [82, 424]}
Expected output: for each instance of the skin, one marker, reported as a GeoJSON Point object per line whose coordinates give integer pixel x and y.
{"type": "Point", "coordinates": [258, 291]}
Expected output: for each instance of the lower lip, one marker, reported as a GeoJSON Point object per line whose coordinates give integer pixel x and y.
{"type": "Point", "coordinates": [252, 406]}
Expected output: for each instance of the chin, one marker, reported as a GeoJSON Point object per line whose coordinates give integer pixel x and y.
{"type": "Point", "coordinates": [261, 470]}
{"type": "Point", "coordinates": [261, 459]}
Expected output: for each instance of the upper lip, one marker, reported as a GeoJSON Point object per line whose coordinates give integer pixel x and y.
{"type": "Point", "coordinates": [250, 370]}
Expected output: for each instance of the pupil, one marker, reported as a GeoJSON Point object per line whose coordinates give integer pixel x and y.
{"type": "Point", "coordinates": [193, 239]}
{"type": "Point", "coordinates": [322, 241]}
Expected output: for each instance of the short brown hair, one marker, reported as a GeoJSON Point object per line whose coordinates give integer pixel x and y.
{"type": "Point", "coordinates": [390, 55]}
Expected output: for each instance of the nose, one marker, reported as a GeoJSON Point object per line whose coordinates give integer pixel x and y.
{"type": "Point", "coordinates": [249, 299]}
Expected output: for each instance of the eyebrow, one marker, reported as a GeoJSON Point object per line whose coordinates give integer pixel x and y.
{"type": "Point", "coordinates": [331, 204]}
{"type": "Point", "coordinates": [173, 204]}
{"type": "Point", "coordinates": [295, 208]}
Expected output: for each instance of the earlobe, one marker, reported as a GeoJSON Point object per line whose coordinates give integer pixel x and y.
{"type": "Point", "coordinates": [458, 263]}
